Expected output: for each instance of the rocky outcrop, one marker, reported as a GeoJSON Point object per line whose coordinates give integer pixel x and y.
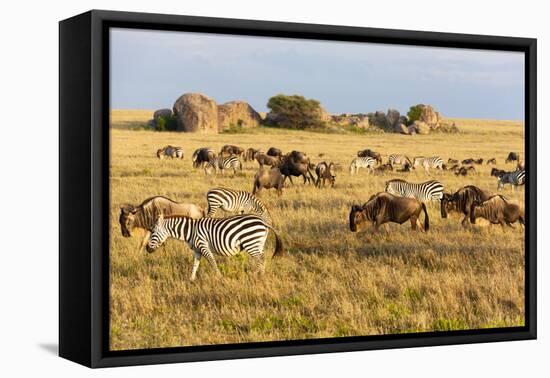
{"type": "Point", "coordinates": [162, 113]}
{"type": "Point", "coordinates": [196, 112]}
{"type": "Point", "coordinates": [347, 120]}
{"type": "Point", "coordinates": [237, 114]}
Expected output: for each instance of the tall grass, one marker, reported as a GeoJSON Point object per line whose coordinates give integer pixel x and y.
{"type": "Point", "coordinates": [331, 282]}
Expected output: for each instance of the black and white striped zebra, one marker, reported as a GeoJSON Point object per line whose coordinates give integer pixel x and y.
{"type": "Point", "coordinates": [428, 162]}
{"type": "Point", "coordinates": [221, 236]}
{"type": "Point", "coordinates": [515, 179]}
{"type": "Point", "coordinates": [173, 152]}
{"type": "Point", "coordinates": [395, 159]}
{"type": "Point", "coordinates": [425, 191]}
{"type": "Point", "coordinates": [222, 163]}
{"type": "Point", "coordinates": [236, 201]}
{"type": "Point", "coordinates": [362, 162]}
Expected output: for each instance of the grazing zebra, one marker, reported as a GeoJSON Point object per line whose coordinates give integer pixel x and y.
{"type": "Point", "coordinates": [362, 162]}
{"type": "Point", "coordinates": [428, 162]}
{"type": "Point", "coordinates": [429, 190]}
{"type": "Point", "coordinates": [222, 236]}
{"type": "Point", "coordinates": [515, 179]}
{"type": "Point", "coordinates": [222, 163]}
{"type": "Point", "coordinates": [170, 151]}
{"type": "Point", "coordinates": [236, 201]}
{"type": "Point", "coordinates": [399, 160]}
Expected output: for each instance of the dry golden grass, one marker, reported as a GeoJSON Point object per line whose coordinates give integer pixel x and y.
{"type": "Point", "coordinates": [331, 282]}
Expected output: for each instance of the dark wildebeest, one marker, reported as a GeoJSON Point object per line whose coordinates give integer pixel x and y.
{"type": "Point", "coordinates": [267, 178]}
{"type": "Point", "coordinates": [264, 159]}
{"type": "Point", "coordinates": [273, 151]}
{"type": "Point", "coordinates": [381, 169]}
{"type": "Point", "coordinates": [202, 155]}
{"type": "Point", "coordinates": [463, 171]}
{"type": "Point", "coordinates": [370, 153]}
{"type": "Point", "coordinates": [325, 172]}
{"type": "Point", "coordinates": [144, 215]}
{"type": "Point", "coordinates": [461, 201]}
{"type": "Point", "coordinates": [250, 153]}
{"type": "Point", "coordinates": [229, 149]}
{"type": "Point", "coordinates": [468, 161]}
{"type": "Point", "coordinates": [497, 172]}
{"type": "Point", "coordinates": [455, 167]}
{"type": "Point", "coordinates": [498, 210]}
{"type": "Point", "coordinates": [491, 161]}
{"type": "Point", "coordinates": [512, 156]}
{"type": "Point", "coordinates": [297, 164]}
{"type": "Point", "coordinates": [383, 208]}
{"type": "Point", "coordinates": [452, 161]}
{"type": "Point", "coordinates": [478, 161]}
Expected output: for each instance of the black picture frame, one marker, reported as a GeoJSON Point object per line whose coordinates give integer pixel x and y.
{"type": "Point", "coordinates": [84, 194]}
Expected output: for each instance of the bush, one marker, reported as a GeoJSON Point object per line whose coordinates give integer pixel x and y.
{"type": "Point", "coordinates": [414, 114]}
{"type": "Point", "coordinates": [166, 124]}
{"type": "Point", "coordinates": [296, 112]}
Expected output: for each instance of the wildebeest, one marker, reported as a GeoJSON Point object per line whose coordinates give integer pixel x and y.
{"type": "Point", "coordinates": [370, 153]}
{"type": "Point", "coordinates": [498, 210]}
{"type": "Point", "coordinates": [325, 172]}
{"type": "Point", "coordinates": [174, 152]}
{"type": "Point", "coordinates": [273, 151]}
{"type": "Point", "coordinates": [144, 215]}
{"type": "Point", "coordinates": [463, 171]}
{"type": "Point", "coordinates": [472, 161]}
{"type": "Point", "coordinates": [202, 155]}
{"type": "Point", "coordinates": [461, 201]}
{"type": "Point", "coordinates": [297, 164]}
{"type": "Point", "coordinates": [406, 168]}
{"type": "Point", "coordinates": [383, 169]}
{"type": "Point", "coordinates": [264, 159]}
{"type": "Point", "coordinates": [267, 178]}
{"type": "Point", "coordinates": [452, 161]}
{"type": "Point", "coordinates": [383, 208]}
{"type": "Point", "coordinates": [455, 167]}
{"type": "Point", "coordinates": [250, 153]}
{"type": "Point", "coordinates": [491, 161]}
{"type": "Point", "coordinates": [497, 172]}
{"type": "Point", "coordinates": [515, 179]}
{"type": "Point", "coordinates": [229, 149]}
{"type": "Point", "coordinates": [512, 156]}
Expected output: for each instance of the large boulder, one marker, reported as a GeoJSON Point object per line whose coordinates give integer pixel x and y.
{"type": "Point", "coordinates": [355, 120]}
{"type": "Point", "coordinates": [392, 119]}
{"type": "Point", "coordinates": [421, 127]}
{"type": "Point", "coordinates": [429, 115]}
{"type": "Point", "coordinates": [378, 119]}
{"type": "Point", "coordinates": [237, 113]}
{"type": "Point", "coordinates": [196, 112]}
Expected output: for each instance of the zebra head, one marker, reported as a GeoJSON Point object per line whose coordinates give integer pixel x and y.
{"type": "Point", "coordinates": [159, 234]}
{"type": "Point", "coordinates": [389, 188]}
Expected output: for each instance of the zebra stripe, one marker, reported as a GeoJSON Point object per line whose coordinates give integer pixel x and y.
{"type": "Point", "coordinates": [428, 162]}
{"type": "Point", "coordinates": [222, 163]}
{"type": "Point", "coordinates": [515, 179]}
{"type": "Point", "coordinates": [236, 201]}
{"type": "Point", "coordinates": [171, 152]}
{"type": "Point", "coordinates": [395, 159]}
{"type": "Point", "coordinates": [222, 236]}
{"type": "Point", "coordinates": [425, 191]}
{"type": "Point", "coordinates": [362, 162]}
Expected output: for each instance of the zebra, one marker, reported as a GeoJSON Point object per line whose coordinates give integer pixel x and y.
{"type": "Point", "coordinates": [170, 151]}
{"type": "Point", "coordinates": [222, 163]}
{"type": "Point", "coordinates": [236, 201]}
{"type": "Point", "coordinates": [428, 162]}
{"type": "Point", "coordinates": [515, 179]}
{"type": "Point", "coordinates": [395, 159]}
{"type": "Point", "coordinates": [222, 236]}
{"type": "Point", "coordinates": [429, 190]}
{"type": "Point", "coordinates": [362, 162]}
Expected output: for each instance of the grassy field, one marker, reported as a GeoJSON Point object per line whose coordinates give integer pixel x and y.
{"type": "Point", "coordinates": [331, 282]}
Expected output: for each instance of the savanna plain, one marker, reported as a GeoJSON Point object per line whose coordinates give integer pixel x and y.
{"type": "Point", "coordinates": [331, 282]}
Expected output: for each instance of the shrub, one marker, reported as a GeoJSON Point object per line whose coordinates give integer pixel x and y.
{"type": "Point", "coordinates": [414, 114]}
{"type": "Point", "coordinates": [296, 112]}
{"type": "Point", "coordinates": [166, 124]}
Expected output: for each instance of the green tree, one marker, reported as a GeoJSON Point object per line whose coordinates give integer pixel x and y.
{"type": "Point", "coordinates": [414, 113]}
{"type": "Point", "coordinates": [296, 112]}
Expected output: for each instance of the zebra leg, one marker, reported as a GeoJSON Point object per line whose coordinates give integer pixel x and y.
{"type": "Point", "coordinates": [145, 241]}
{"type": "Point", "coordinates": [205, 251]}
{"type": "Point", "coordinates": [196, 263]}
{"type": "Point", "coordinates": [259, 263]}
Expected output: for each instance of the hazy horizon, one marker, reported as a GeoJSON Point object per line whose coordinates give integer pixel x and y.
{"type": "Point", "coordinates": [151, 69]}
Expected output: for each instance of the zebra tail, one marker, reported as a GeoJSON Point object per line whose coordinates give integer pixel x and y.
{"type": "Point", "coordinates": [279, 248]}
{"type": "Point", "coordinates": [426, 218]}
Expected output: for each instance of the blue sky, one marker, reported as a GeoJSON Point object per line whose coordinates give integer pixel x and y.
{"type": "Point", "coordinates": [151, 69]}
